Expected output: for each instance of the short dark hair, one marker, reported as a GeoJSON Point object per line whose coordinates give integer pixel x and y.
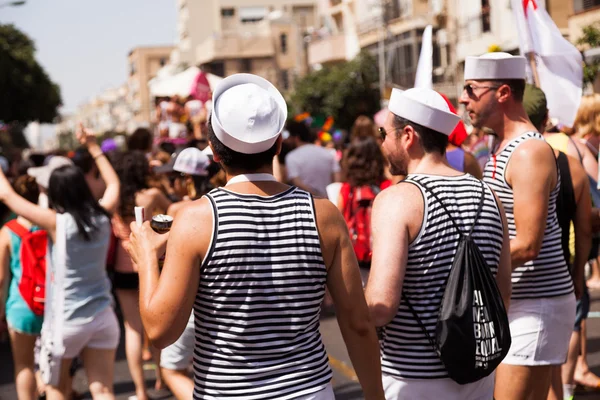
{"type": "Point", "coordinates": [300, 130]}
{"type": "Point", "coordinates": [140, 139]}
{"type": "Point", "coordinates": [236, 161]}
{"type": "Point", "coordinates": [517, 87]}
{"type": "Point", "coordinates": [431, 141]}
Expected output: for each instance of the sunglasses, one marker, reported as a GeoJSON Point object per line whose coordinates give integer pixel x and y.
{"type": "Point", "coordinates": [383, 133]}
{"type": "Point", "coordinates": [470, 89]}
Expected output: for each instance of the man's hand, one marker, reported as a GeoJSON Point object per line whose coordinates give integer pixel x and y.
{"type": "Point", "coordinates": [145, 243]}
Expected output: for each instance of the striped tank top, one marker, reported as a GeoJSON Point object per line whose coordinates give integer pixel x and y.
{"type": "Point", "coordinates": [405, 350]}
{"type": "Point", "coordinates": [547, 275]}
{"type": "Point", "coordinates": [258, 304]}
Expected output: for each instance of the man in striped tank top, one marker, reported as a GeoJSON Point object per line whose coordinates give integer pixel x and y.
{"type": "Point", "coordinates": [414, 243]}
{"type": "Point", "coordinates": [252, 260]}
{"type": "Point", "coordinates": [524, 174]}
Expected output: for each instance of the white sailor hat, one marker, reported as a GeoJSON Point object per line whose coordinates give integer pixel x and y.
{"type": "Point", "coordinates": [425, 107]}
{"type": "Point", "coordinates": [248, 113]}
{"type": "Point", "coordinates": [493, 66]}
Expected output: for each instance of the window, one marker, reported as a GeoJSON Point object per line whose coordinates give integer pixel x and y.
{"type": "Point", "coordinates": [227, 12]}
{"type": "Point", "coordinates": [132, 68]}
{"type": "Point", "coordinates": [283, 43]}
{"type": "Point", "coordinates": [285, 79]}
{"type": "Point", "coordinates": [246, 65]}
{"type": "Point", "coordinates": [163, 61]}
{"type": "Point", "coordinates": [485, 16]}
{"type": "Point", "coordinates": [215, 68]}
{"type": "Point", "coordinates": [253, 14]}
{"type": "Point", "coordinates": [584, 5]}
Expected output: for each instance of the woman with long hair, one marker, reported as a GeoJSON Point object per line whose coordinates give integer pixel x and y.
{"type": "Point", "coordinates": [363, 166]}
{"type": "Point", "coordinates": [24, 326]}
{"type": "Point", "coordinates": [134, 172]}
{"type": "Point", "coordinates": [78, 317]}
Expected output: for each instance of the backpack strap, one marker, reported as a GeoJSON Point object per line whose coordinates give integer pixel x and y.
{"type": "Point", "coordinates": [479, 208]}
{"type": "Point", "coordinates": [17, 228]}
{"type": "Point", "coordinates": [414, 313]}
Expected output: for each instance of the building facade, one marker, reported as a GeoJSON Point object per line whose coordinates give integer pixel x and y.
{"type": "Point", "coordinates": [263, 37]}
{"type": "Point", "coordinates": [144, 63]}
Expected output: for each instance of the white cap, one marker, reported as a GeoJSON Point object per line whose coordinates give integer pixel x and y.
{"type": "Point", "coordinates": [492, 66]}
{"type": "Point", "coordinates": [208, 151]}
{"type": "Point", "coordinates": [42, 174]}
{"type": "Point", "coordinates": [192, 161]}
{"type": "Point", "coordinates": [425, 107]}
{"type": "Point", "coordinates": [248, 113]}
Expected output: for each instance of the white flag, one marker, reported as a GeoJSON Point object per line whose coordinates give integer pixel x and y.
{"type": "Point", "coordinates": [559, 63]}
{"type": "Point", "coordinates": [424, 77]}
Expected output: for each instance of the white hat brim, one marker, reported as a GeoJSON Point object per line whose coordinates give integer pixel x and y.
{"type": "Point", "coordinates": [232, 142]}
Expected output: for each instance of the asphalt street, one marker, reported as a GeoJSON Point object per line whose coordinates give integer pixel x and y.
{"type": "Point", "coordinates": [345, 384]}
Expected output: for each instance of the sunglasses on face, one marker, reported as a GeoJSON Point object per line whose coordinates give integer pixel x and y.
{"type": "Point", "coordinates": [383, 133]}
{"type": "Point", "coordinates": [470, 89]}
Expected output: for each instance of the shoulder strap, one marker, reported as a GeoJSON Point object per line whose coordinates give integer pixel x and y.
{"type": "Point", "coordinates": [576, 149]}
{"type": "Point", "coordinates": [421, 325]}
{"type": "Point", "coordinates": [17, 228]}
{"type": "Point", "coordinates": [479, 208]}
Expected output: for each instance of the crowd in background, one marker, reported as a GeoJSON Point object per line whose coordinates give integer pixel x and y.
{"type": "Point", "coordinates": [98, 186]}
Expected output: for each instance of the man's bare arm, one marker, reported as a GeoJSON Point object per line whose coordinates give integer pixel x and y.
{"type": "Point", "coordinates": [531, 197]}
{"type": "Point", "coordinates": [163, 314]}
{"type": "Point", "coordinates": [582, 223]}
{"type": "Point", "coordinates": [345, 287]}
{"type": "Point", "coordinates": [503, 277]}
{"type": "Point", "coordinates": [395, 210]}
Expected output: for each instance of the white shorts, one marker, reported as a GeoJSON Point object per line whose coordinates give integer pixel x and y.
{"type": "Point", "coordinates": [540, 330]}
{"type": "Point", "coordinates": [102, 333]}
{"type": "Point", "coordinates": [178, 356]}
{"type": "Point", "coordinates": [437, 389]}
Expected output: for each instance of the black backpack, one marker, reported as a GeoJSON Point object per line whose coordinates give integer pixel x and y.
{"type": "Point", "coordinates": [472, 334]}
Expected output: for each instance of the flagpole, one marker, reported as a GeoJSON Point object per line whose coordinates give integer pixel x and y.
{"type": "Point", "coordinates": [533, 65]}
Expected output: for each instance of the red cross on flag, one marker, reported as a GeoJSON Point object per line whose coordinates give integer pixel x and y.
{"type": "Point", "coordinates": [559, 63]}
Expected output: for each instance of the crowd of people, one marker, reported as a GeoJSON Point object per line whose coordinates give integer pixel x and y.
{"type": "Point", "coordinates": [454, 262]}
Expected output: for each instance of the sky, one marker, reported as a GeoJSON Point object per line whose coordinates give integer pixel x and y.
{"type": "Point", "coordinates": [83, 45]}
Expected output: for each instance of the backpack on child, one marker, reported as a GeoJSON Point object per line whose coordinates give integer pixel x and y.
{"type": "Point", "coordinates": [32, 285]}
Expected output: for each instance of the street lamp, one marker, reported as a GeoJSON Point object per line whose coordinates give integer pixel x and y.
{"type": "Point", "coordinates": [12, 4]}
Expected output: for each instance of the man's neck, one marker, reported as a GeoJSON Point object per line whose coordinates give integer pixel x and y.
{"type": "Point", "coordinates": [267, 169]}
{"type": "Point", "coordinates": [513, 124]}
{"type": "Point", "coordinates": [431, 163]}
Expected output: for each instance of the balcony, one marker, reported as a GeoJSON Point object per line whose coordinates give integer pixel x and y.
{"type": "Point", "coordinates": [327, 50]}
{"type": "Point", "coordinates": [234, 46]}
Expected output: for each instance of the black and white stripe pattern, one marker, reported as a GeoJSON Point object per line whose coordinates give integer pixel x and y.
{"type": "Point", "coordinates": [405, 350]}
{"type": "Point", "coordinates": [547, 275]}
{"type": "Point", "coordinates": [258, 304]}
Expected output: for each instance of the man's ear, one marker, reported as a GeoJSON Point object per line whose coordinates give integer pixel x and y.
{"type": "Point", "coordinates": [503, 93]}
{"type": "Point", "coordinates": [279, 143]}
{"type": "Point", "coordinates": [216, 157]}
{"type": "Point", "coordinates": [410, 136]}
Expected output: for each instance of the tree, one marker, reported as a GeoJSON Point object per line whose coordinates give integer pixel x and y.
{"type": "Point", "coordinates": [343, 91]}
{"type": "Point", "coordinates": [28, 94]}
{"type": "Point", "coordinates": [590, 39]}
